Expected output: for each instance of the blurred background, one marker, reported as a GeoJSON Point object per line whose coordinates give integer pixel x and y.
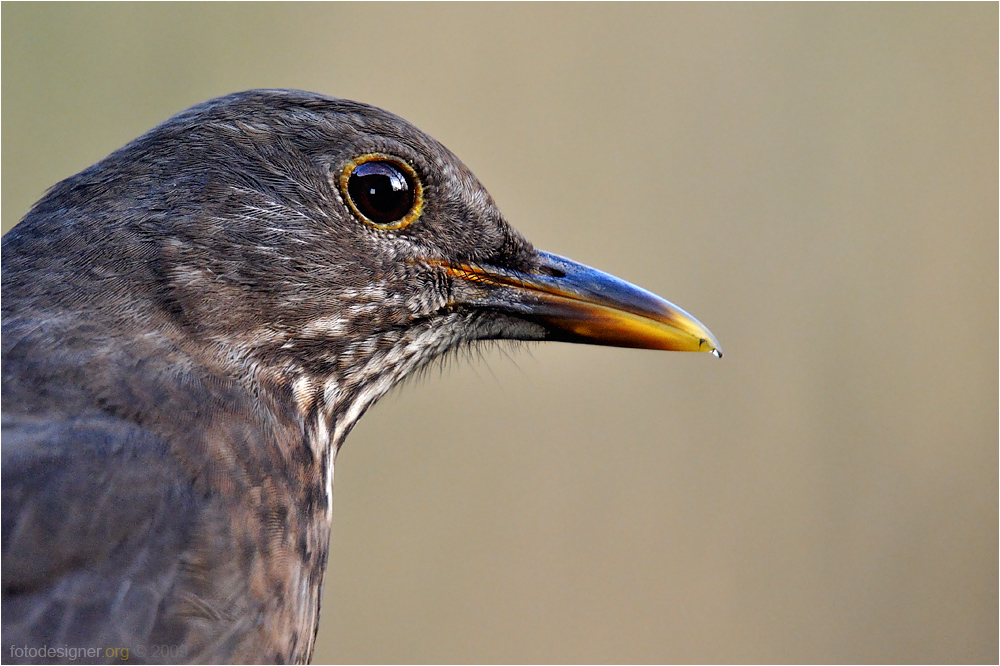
{"type": "Point", "coordinates": [816, 183]}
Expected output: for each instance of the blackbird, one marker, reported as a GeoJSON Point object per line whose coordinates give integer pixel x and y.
{"type": "Point", "coordinates": [193, 325]}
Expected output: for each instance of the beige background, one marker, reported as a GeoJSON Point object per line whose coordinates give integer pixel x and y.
{"type": "Point", "coordinates": [818, 184]}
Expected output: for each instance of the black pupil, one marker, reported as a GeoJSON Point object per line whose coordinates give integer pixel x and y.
{"type": "Point", "coordinates": [381, 191]}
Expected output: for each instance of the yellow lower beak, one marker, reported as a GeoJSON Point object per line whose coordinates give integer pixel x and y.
{"type": "Point", "coordinates": [576, 303]}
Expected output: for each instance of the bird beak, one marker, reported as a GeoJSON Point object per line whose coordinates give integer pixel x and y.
{"type": "Point", "coordinates": [577, 303]}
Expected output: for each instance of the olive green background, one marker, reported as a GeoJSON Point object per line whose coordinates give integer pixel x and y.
{"type": "Point", "coordinates": [816, 183]}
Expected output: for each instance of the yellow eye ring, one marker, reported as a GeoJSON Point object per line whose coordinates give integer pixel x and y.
{"type": "Point", "coordinates": [382, 190]}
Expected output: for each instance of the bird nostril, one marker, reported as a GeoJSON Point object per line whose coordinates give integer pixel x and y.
{"type": "Point", "coordinates": [551, 271]}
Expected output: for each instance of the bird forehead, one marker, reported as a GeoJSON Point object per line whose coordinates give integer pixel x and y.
{"type": "Point", "coordinates": [334, 132]}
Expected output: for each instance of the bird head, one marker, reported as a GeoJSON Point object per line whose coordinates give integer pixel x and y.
{"type": "Point", "coordinates": [327, 245]}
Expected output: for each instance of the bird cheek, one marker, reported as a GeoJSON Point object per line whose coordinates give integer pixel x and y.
{"type": "Point", "coordinates": [432, 293]}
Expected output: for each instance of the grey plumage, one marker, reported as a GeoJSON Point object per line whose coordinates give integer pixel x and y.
{"type": "Point", "coordinates": [191, 327]}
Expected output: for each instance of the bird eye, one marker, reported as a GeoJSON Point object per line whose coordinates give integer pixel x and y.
{"type": "Point", "coordinates": [382, 190]}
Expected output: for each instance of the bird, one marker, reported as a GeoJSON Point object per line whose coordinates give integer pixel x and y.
{"type": "Point", "coordinates": [191, 328]}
